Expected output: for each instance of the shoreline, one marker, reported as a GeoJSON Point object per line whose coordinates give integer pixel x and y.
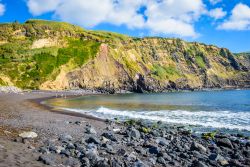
{"type": "Point", "coordinates": [61, 111]}
{"type": "Point", "coordinates": [72, 139]}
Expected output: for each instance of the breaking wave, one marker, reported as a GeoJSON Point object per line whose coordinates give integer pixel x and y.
{"type": "Point", "coordinates": [213, 119]}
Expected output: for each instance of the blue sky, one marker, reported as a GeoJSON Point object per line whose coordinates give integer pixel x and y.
{"type": "Point", "coordinates": [225, 23]}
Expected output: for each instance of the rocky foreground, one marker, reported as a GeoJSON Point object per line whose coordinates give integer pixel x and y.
{"type": "Point", "coordinates": [138, 144]}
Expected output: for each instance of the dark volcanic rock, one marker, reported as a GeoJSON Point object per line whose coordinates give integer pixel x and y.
{"type": "Point", "coordinates": [134, 133]}
{"type": "Point", "coordinates": [93, 139]}
{"type": "Point", "coordinates": [72, 162]}
{"type": "Point", "coordinates": [161, 160]}
{"type": "Point", "coordinates": [198, 147]}
{"type": "Point", "coordinates": [198, 164]}
{"type": "Point", "coordinates": [47, 159]}
{"type": "Point", "coordinates": [110, 136]}
{"type": "Point", "coordinates": [154, 150]}
{"type": "Point", "coordinates": [225, 142]}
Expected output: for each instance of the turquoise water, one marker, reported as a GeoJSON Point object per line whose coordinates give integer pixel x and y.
{"type": "Point", "coordinates": [227, 110]}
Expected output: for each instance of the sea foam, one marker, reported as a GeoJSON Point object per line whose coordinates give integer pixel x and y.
{"type": "Point", "coordinates": [214, 119]}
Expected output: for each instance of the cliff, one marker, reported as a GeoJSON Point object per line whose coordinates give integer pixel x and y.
{"type": "Point", "coordinates": [48, 55]}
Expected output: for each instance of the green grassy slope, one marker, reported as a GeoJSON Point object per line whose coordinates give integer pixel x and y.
{"type": "Point", "coordinates": [36, 51]}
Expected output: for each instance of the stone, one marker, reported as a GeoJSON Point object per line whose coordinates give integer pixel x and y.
{"type": "Point", "coordinates": [93, 139]}
{"type": "Point", "coordinates": [92, 155]}
{"type": "Point", "coordinates": [225, 142]}
{"type": "Point", "coordinates": [28, 135]}
{"type": "Point", "coordinates": [162, 141]}
{"type": "Point", "coordinates": [116, 130]}
{"type": "Point", "coordinates": [58, 149]}
{"type": "Point", "coordinates": [139, 164]}
{"type": "Point", "coordinates": [132, 156]}
{"type": "Point", "coordinates": [43, 150]}
{"type": "Point", "coordinates": [246, 153]}
{"type": "Point", "coordinates": [1, 147]}
{"type": "Point", "coordinates": [198, 147]}
{"type": "Point", "coordinates": [72, 162]}
{"type": "Point", "coordinates": [65, 138]}
{"type": "Point", "coordinates": [104, 139]}
{"type": "Point", "coordinates": [102, 163]}
{"type": "Point", "coordinates": [223, 162]}
{"type": "Point", "coordinates": [121, 152]}
{"type": "Point", "coordinates": [116, 163]}
{"type": "Point", "coordinates": [91, 146]}
{"type": "Point", "coordinates": [109, 148]}
{"type": "Point", "coordinates": [65, 152]}
{"type": "Point", "coordinates": [135, 133]}
{"type": "Point", "coordinates": [110, 136]}
{"type": "Point", "coordinates": [152, 161]}
{"type": "Point", "coordinates": [213, 156]}
{"type": "Point", "coordinates": [85, 162]}
{"type": "Point", "coordinates": [47, 159]}
{"type": "Point", "coordinates": [70, 146]}
{"type": "Point", "coordinates": [161, 160]}
{"type": "Point", "coordinates": [154, 150]}
{"type": "Point", "coordinates": [167, 157]}
{"type": "Point", "coordinates": [91, 130]}
{"type": "Point", "coordinates": [198, 164]}
{"type": "Point", "coordinates": [141, 150]}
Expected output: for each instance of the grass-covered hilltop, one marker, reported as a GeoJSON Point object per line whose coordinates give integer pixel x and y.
{"type": "Point", "coordinates": [47, 55]}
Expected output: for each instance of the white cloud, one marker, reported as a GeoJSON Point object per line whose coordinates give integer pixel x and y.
{"type": "Point", "coordinates": [213, 2]}
{"type": "Point", "coordinates": [176, 17]}
{"type": "Point", "coordinates": [38, 7]}
{"type": "Point", "coordinates": [84, 12]}
{"type": "Point", "coordinates": [217, 13]}
{"type": "Point", "coordinates": [239, 19]}
{"type": "Point", "coordinates": [2, 9]}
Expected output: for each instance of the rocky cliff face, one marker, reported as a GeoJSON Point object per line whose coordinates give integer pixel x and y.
{"type": "Point", "coordinates": [62, 56]}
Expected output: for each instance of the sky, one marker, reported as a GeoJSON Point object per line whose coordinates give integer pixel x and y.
{"type": "Point", "coordinates": [225, 23]}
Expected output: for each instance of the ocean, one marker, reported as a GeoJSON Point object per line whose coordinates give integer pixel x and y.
{"type": "Point", "coordinates": [201, 111]}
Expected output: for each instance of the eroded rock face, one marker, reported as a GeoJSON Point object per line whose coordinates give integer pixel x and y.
{"type": "Point", "coordinates": [156, 66]}
{"type": "Point", "coordinates": [117, 62]}
{"type": "Point", "coordinates": [46, 42]}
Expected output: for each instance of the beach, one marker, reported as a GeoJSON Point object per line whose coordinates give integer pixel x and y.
{"type": "Point", "coordinates": [20, 113]}
{"type": "Point", "coordinates": [73, 139]}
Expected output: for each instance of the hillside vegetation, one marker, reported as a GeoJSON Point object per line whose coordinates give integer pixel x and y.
{"type": "Point", "coordinates": [42, 54]}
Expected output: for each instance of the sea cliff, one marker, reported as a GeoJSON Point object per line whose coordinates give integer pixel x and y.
{"type": "Point", "coordinates": [50, 55]}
